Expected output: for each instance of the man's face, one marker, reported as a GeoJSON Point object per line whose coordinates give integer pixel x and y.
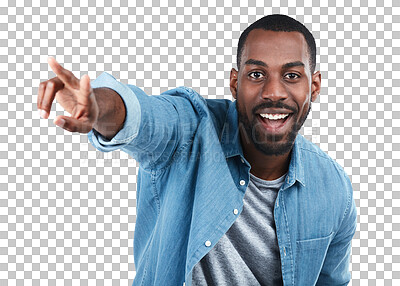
{"type": "Point", "coordinates": [274, 89]}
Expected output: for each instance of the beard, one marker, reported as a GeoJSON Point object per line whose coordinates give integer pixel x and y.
{"type": "Point", "coordinates": [270, 144]}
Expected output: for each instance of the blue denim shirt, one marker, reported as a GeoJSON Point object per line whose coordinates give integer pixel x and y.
{"type": "Point", "coordinates": [192, 180]}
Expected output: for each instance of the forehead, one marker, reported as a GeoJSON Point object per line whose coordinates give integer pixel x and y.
{"type": "Point", "coordinates": [275, 47]}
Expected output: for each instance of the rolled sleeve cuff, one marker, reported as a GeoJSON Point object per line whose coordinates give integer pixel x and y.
{"type": "Point", "coordinates": [131, 125]}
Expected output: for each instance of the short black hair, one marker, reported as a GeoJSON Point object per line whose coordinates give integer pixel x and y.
{"type": "Point", "coordinates": [279, 23]}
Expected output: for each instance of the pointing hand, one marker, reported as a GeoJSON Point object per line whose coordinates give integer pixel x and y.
{"type": "Point", "coordinates": [75, 96]}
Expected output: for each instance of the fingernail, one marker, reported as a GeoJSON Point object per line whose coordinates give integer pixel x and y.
{"type": "Point", "coordinates": [60, 123]}
{"type": "Point", "coordinates": [43, 114]}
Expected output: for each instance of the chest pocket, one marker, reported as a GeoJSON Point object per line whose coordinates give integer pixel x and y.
{"type": "Point", "coordinates": [310, 256]}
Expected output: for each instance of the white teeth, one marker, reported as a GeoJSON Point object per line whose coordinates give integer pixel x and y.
{"type": "Point", "coordinates": [275, 116]}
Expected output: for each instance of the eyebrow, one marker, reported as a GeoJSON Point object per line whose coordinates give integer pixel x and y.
{"type": "Point", "coordinates": [285, 66]}
{"type": "Point", "coordinates": [255, 62]}
{"type": "Point", "coordinates": [293, 64]}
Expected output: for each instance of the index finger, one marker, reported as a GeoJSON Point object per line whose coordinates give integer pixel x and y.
{"type": "Point", "coordinates": [63, 74]}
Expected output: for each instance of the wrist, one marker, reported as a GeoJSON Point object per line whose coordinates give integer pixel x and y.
{"type": "Point", "coordinates": [111, 112]}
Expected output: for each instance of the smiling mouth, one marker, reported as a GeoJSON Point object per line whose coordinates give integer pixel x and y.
{"type": "Point", "coordinates": [274, 122]}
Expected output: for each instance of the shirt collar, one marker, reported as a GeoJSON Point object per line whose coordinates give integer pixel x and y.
{"type": "Point", "coordinates": [230, 136]}
{"type": "Point", "coordinates": [296, 167]}
{"type": "Point", "coordinates": [230, 142]}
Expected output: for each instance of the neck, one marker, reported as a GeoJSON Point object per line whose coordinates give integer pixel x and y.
{"type": "Point", "coordinates": [264, 166]}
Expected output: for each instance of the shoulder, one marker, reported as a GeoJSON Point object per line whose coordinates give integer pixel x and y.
{"type": "Point", "coordinates": [202, 105]}
{"type": "Point", "coordinates": [325, 180]}
{"type": "Point", "coordinates": [316, 159]}
{"type": "Point", "coordinates": [323, 176]}
{"type": "Point", "coordinates": [208, 109]}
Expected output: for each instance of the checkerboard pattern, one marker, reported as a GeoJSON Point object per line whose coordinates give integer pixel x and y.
{"type": "Point", "coordinates": [67, 211]}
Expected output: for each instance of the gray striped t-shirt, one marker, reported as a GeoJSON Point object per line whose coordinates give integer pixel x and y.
{"type": "Point", "coordinates": [248, 254]}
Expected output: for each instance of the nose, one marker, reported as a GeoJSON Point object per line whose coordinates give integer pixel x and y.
{"type": "Point", "coordinates": [274, 89]}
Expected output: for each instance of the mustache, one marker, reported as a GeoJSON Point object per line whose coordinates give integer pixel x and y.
{"type": "Point", "coordinates": [270, 104]}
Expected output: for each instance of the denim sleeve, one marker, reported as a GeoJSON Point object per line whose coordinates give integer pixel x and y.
{"type": "Point", "coordinates": [155, 126]}
{"type": "Point", "coordinates": [132, 119]}
{"type": "Point", "coordinates": [335, 270]}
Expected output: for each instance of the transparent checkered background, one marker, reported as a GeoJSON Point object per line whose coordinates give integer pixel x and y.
{"type": "Point", "coordinates": [67, 211]}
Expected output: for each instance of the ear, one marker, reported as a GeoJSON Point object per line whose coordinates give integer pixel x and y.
{"type": "Point", "coordinates": [315, 85]}
{"type": "Point", "coordinates": [233, 82]}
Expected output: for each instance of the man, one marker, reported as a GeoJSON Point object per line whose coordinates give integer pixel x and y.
{"type": "Point", "coordinates": [228, 192]}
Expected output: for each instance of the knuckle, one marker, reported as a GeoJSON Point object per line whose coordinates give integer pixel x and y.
{"type": "Point", "coordinates": [58, 83]}
{"type": "Point", "coordinates": [40, 94]}
{"type": "Point", "coordinates": [50, 84]}
{"type": "Point", "coordinates": [57, 80]}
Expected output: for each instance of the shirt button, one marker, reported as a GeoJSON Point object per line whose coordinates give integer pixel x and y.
{"type": "Point", "coordinates": [235, 211]}
{"type": "Point", "coordinates": [242, 182]}
{"type": "Point", "coordinates": [208, 243]}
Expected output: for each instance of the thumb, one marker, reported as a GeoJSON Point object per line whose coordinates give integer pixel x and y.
{"type": "Point", "coordinates": [72, 124]}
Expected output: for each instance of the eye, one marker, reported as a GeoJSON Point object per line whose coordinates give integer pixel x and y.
{"type": "Point", "coordinates": [256, 75]}
{"type": "Point", "coordinates": [292, 75]}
